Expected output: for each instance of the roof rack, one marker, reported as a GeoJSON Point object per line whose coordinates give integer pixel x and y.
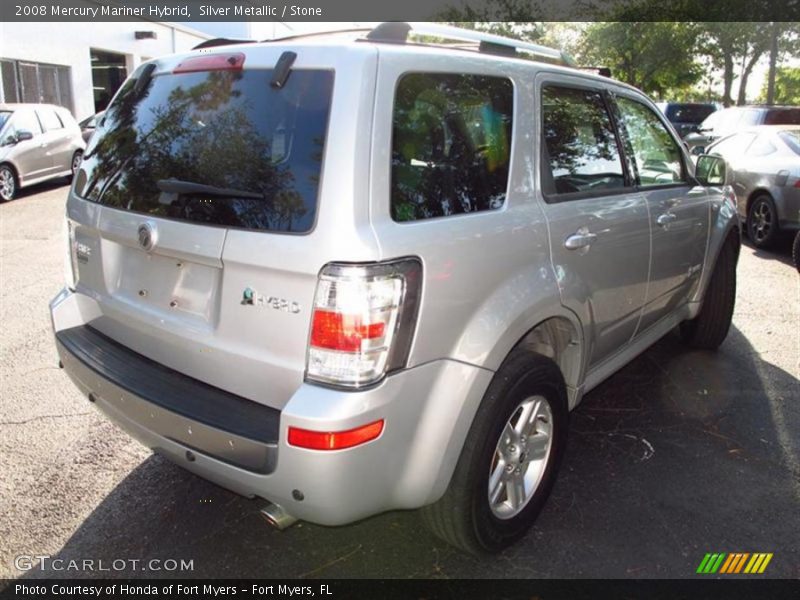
{"type": "Point", "coordinates": [398, 32]}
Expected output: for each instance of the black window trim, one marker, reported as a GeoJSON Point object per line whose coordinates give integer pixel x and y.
{"type": "Point", "coordinates": [688, 177]}
{"type": "Point", "coordinates": [544, 159]}
{"type": "Point", "coordinates": [514, 122]}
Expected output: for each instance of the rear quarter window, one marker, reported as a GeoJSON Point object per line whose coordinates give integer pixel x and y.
{"type": "Point", "coordinates": [451, 144]}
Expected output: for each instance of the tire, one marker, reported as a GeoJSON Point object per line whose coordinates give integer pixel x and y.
{"type": "Point", "coordinates": [796, 251]}
{"type": "Point", "coordinates": [709, 328]}
{"type": "Point", "coordinates": [76, 162]}
{"type": "Point", "coordinates": [762, 221]}
{"type": "Point", "coordinates": [465, 516]}
{"type": "Point", "coordinates": [8, 184]}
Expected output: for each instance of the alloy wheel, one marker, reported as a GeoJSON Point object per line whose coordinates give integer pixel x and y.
{"type": "Point", "coordinates": [520, 457]}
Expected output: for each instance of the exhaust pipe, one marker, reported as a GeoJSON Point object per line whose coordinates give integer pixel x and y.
{"type": "Point", "coordinates": [277, 517]}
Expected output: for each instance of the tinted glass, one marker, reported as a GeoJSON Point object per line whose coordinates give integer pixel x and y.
{"type": "Point", "coordinates": [789, 116]}
{"type": "Point", "coordinates": [226, 129]}
{"type": "Point", "coordinates": [656, 154]}
{"type": "Point", "coordinates": [791, 139]}
{"type": "Point", "coordinates": [689, 113]}
{"type": "Point", "coordinates": [732, 146]}
{"type": "Point", "coordinates": [581, 148]}
{"type": "Point", "coordinates": [451, 144]}
{"type": "Point", "coordinates": [50, 120]}
{"type": "Point", "coordinates": [4, 116]}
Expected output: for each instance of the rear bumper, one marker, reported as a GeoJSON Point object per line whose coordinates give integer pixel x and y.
{"type": "Point", "coordinates": [427, 412]}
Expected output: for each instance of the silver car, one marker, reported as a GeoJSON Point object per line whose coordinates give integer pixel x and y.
{"type": "Point", "coordinates": [765, 174]}
{"type": "Point", "coordinates": [37, 142]}
{"type": "Point", "coordinates": [352, 276]}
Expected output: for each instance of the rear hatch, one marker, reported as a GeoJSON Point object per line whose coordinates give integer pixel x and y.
{"type": "Point", "coordinates": [195, 211]}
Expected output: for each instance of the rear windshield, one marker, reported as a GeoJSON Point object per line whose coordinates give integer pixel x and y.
{"type": "Point", "coordinates": [689, 113]}
{"type": "Point", "coordinates": [789, 116]}
{"type": "Point", "coordinates": [258, 149]}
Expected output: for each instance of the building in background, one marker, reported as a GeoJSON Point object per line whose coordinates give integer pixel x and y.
{"type": "Point", "coordinates": [80, 65]}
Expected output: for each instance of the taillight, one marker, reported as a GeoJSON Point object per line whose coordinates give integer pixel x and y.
{"type": "Point", "coordinates": [334, 440]}
{"type": "Point", "coordinates": [363, 321]}
{"type": "Point", "coordinates": [211, 62]}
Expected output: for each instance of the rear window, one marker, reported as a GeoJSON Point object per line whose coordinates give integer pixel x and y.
{"type": "Point", "coordinates": [50, 120]}
{"type": "Point", "coordinates": [789, 116]}
{"type": "Point", "coordinates": [791, 139]}
{"type": "Point", "coordinates": [258, 149]}
{"type": "Point", "coordinates": [689, 113]}
{"type": "Point", "coordinates": [451, 144]}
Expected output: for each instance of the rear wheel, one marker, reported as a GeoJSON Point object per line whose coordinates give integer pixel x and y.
{"type": "Point", "coordinates": [510, 458]}
{"type": "Point", "coordinates": [710, 328]}
{"type": "Point", "coordinates": [796, 251]}
{"type": "Point", "coordinates": [8, 183]}
{"type": "Point", "coordinates": [762, 221]}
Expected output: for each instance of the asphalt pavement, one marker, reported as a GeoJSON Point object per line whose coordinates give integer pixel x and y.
{"type": "Point", "coordinates": [679, 454]}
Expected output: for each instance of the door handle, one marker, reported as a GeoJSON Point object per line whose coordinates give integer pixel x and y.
{"type": "Point", "coordinates": [580, 239]}
{"type": "Point", "coordinates": [665, 219]}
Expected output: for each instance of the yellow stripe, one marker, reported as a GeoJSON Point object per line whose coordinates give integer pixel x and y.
{"type": "Point", "coordinates": [761, 557]}
{"type": "Point", "coordinates": [741, 562]}
{"type": "Point", "coordinates": [727, 562]}
{"type": "Point", "coordinates": [752, 562]}
{"type": "Point", "coordinates": [765, 563]}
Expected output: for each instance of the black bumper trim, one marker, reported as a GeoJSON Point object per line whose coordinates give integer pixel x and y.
{"type": "Point", "coordinates": [169, 389]}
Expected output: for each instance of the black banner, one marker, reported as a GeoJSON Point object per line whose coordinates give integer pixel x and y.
{"type": "Point", "coordinates": [459, 589]}
{"type": "Point", "coordinates": [410, 10]}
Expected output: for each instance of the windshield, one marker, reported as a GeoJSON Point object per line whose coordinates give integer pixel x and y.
{"type": "Point", "coordinates": [689, 113]}
{"type": "Point", "coordinates": [220, 129]}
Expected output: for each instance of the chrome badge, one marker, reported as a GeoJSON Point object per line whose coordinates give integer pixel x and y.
{"type": "Point", "coordinates": [147, 236]}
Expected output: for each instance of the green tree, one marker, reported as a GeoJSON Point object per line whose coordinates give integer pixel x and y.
{"type": "Point", "coordinates": [656, 57]}
{"type": "Point", "coordinates": [519, 19]}
{"type": "Point", "coordinates": [787, 86]}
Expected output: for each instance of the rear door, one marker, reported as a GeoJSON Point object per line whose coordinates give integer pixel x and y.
{"type": "Point", "coordinates": [599, 225]}
{"type": "Point", "coordinates": [679, 210]}
{"type": "Point", "coordinates": [56, 138]}
{"type": "Point", "coordinates": [195, 211]}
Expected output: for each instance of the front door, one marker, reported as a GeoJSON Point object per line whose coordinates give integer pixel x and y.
{"type": "Point", "coordinates": [678, 209]}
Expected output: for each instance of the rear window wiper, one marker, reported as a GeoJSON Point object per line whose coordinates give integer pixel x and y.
{"type": "Point", "coordinates": [176, 186]}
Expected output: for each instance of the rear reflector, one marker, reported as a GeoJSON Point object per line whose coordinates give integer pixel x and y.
{"type": "Point", "coordinates": [212, 62]}
{"type": "Point", "coordinates": [334, 440]}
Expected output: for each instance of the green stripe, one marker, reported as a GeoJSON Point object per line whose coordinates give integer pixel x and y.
{"type": "Point", "coordinates": [717, 564]}
{"type": "Point", "coordinates": [701, 568]}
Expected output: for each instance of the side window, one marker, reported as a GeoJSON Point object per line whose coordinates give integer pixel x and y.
{"type": "Point", "coordinates": [656, 154]}
{"type": "Point", "coordinates": [451, 144]}
{"type": "Point", "coordinates": [732, 146]}
{"type": "Point", "coordinates": [761, 147]}
{"type": "Point", "coordinates": [25, 120]}
{"type": "Point", "coordinates": [50, 120]}
{"type": "Point", "coordinates": [580, 149]}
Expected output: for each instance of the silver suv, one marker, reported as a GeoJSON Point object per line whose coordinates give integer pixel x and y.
{"type": "Point", "coordinates": [355, 275]}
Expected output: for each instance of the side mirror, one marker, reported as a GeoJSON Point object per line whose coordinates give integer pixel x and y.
{"type": "Point", "coordinates": [23, 136]}
{"type": "Point", "coordinates": [711, 170]}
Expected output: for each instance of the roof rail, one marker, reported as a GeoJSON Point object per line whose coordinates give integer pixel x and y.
{"type": "Point", "coordinates": [398, 32]}
{"type": "Point", "coordinates": [221, 42]}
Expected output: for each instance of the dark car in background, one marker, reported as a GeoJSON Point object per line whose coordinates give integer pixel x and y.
{"type": "Point", "coordinates": [764, 164]}
{"type": "Point", "coordinates": [735, 118]}
{"type": "Point", "coordinates": [686, 116]}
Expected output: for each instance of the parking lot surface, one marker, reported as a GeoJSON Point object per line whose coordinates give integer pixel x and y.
{"type": "Point", "coordinates": [679, 454]}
